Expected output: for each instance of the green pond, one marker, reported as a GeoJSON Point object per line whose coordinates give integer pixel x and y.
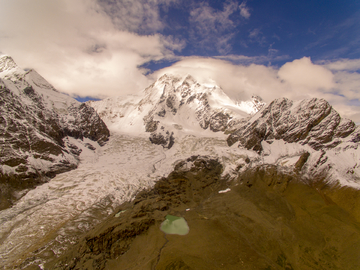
{"type": "Point", "coordinates": [174, 225]}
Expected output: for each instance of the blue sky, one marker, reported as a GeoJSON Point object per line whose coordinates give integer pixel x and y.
{"type": "Point", "coordinates": [277, 30]}
{"type": "Point", "coordinates": [104, 48]}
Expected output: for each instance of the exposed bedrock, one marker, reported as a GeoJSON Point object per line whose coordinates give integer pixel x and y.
{"type": "Point", "coordinates": [269, 219]}
{"type": "Point", "coordinates": [32, 142]}
{"type": "Point", "coordinates": [311, 121]}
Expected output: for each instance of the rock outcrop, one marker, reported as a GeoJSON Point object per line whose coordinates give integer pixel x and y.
{"type": "Point", "coordinates": [312, 121]}
{"type": "Point", "coordinates": [165, 139]}
{"type": "Point", "coordinates": [35, 121]}
{"type": "Point", "coordinates": [83, 122]}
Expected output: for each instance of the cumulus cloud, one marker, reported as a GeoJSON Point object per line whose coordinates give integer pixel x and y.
{"type": "Point", "coordinates": [347, 78]}
{"type": "Point", "coordinates": [349, 84]}
{"type": "Point", "coordinates": [76, 46]}
{"type": "Point", "coordinates": [296, 80]}
{"type": "Point", "coordinates": [303, 73]}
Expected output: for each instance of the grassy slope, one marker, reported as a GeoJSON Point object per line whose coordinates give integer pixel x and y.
{"type": "Point", "coordinates": [269, 220]}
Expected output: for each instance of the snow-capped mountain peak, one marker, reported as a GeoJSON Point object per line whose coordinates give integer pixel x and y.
{"type": "Point", "coordinates": [173, 103]}
{"type": "Point", "coordinates": [253, 105]}
{"type": "Point", "coordinates": [7, 63]}
{"type": "Point", "coordinates": [16, 79]}
{"type": "Point", "coordinates": [35, 123]}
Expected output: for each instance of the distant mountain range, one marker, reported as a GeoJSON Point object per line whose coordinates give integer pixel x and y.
{"type": "Point", "coordinates": [203, 151]}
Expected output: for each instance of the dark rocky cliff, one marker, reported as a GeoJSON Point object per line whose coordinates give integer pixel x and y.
{"type": "Point", "coordinates": [313, 122]}
{"type": "Point", "coordinates": [33, 134]}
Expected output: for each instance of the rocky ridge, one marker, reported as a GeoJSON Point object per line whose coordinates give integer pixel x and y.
{"type": "Point", "coordinates": [35, 122]}
{"type": "Point", "coordinates": [310, 121]}
{"type": "Point", "coordinates": [328, 143]}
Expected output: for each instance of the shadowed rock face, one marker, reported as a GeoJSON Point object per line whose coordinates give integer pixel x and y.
{"type": "Point", "coordinates": [313, 122]}
{"type": "Point", "coordinates": [165, 139]}
{"type": "Point", "coordinates": [86, 123]}
{"type": "Point", "coordinates": [269, 219]}
{"type": "Point", "coordinates": [32, 140]}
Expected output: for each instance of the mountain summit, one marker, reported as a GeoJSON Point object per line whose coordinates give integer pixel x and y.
{"type": "Point", "coordinates": [36, 122]}
{"type": "Point", "coordinates": [7, 63]}
{"type": "Point", "coordinates": [174, 105]}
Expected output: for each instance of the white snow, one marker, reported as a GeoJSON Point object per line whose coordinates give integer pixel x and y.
{"type": "Point", "coordinates": [283, 153]}
{"type": "Point", "coordinates": [225, 190]}
{"type": "Point", "coordinates": [342, 162]}
{"type": "Point", "coordinates": [17, 79]}
{"type": "Point", "coordinates": [75, 200]}
{"type": "Point", "coordinates": [126, 113]}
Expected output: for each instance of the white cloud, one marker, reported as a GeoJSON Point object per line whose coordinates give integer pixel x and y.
{"type": "Point", "coordinates": [303, 73]}
{"type": "Point", "coordinates": [296, 80]}
{"type": "Point", "coordinates": [254, 33]}
{"type": "Point", "coordinates": [342, 64]}
{"type": "Point", "coordinates": [76, 46]}
{"type": "Point", "coordinates": [237, 81]}
{"type": "Point", "coordinates": [348, 84]}
{"type": "Point", "coordinates": [244, 10]}
{"type": "Point", "coordinates": [208, 19]}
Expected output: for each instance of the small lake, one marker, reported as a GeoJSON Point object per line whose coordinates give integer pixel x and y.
{"type": "Point", "coordinates": [174, 225]}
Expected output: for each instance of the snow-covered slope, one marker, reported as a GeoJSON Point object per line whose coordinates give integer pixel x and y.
{"type": "Point", "coordinates": [56, 212]}
{"type": "Point", "coordinates": [251, 106]}
{"type": "Point", "coordinates": [35, 118]}
{"type": "Point", "coordinates": [17, 79]}
{"type": "Point", "coordinates": [172, 106]}
{"type": "Point", "coordinates": [284, 130]}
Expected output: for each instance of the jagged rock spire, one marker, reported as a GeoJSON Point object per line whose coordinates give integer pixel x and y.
{"type": "Point", "coordinates": [7, 63]}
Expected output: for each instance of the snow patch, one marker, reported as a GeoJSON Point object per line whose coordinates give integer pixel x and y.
{"type": "Point", "coordinates": [225, 190]}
